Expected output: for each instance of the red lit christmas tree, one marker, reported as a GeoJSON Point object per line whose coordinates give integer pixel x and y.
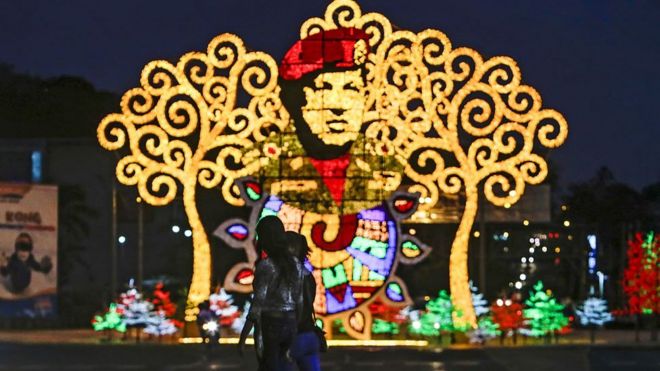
{"type": "Point", "coordinates": [163, 304]}
{"type": "Point", "coordinates": [508, 315]}
{"type": "Point", "coordinates": [640, 278]}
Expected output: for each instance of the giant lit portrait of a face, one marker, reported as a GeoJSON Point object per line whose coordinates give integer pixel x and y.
{"type": "Point", "coordinates": [324, 90]}
{"type": "Point", "coordinates": [334, 106]}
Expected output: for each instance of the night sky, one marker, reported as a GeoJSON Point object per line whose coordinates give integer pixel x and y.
{"type": "Point", "coordinates": [596, 61]}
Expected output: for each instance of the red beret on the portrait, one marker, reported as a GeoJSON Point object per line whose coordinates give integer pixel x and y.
{"type": "Point", "coordinates": [339, 48]}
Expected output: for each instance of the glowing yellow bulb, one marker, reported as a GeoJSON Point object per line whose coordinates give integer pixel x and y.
{"type": "Point", "coordinates": [525, 222]}
{"type": "Point", "coordinates": [567, 223]}
{"type": "Point", "coordinates": [477, 234]}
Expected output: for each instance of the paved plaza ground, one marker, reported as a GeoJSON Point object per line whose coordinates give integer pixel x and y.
{"type": "Point", "coordinates": [81, 350]}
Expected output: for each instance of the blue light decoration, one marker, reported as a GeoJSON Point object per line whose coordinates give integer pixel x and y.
{"type": "Point", "coordinates": [593, 311]}
{"type": "Point", "coordinates": [353, 256]}
{"type": "Point", "coordinates": [37, 158]}
{"type": "Point", "coordinates": [593, 250]}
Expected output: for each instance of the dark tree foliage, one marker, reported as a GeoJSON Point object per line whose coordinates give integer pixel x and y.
{"type": "Point", "coordinates": [614, 210]}
{"type": "Point", "coordinates": [60, 107]}
{"type": "Point", "coordinates": [605, 202]}
{"type": "Point", "coordinates": [75, 220]}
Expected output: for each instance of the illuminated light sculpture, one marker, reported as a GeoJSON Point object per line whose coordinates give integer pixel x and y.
{"type": "Point", "coordinates": [444, 118]}
{"type": "Point", "coordinates": [184, 128]}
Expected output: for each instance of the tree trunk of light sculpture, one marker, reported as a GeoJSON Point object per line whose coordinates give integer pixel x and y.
{"type": "Point", "coordinates": [200, 283]}
{"type": "Point", "coordinates": [459, 285]}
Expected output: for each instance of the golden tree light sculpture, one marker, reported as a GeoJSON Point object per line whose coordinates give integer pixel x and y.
{"type": "Point", "coordinates": [456, 121]}
{"type": "Point", "coordinates": [184, 126]}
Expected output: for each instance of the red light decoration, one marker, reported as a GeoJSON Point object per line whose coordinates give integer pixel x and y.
{"type": "Point", "coordinates": [508, 317]}
{"type": "Point", "coordinates": [333, 174]}
{"type": "Point", "coordinates": [641, 276]}
{"type": "Point", "coordinates": [331, 48]}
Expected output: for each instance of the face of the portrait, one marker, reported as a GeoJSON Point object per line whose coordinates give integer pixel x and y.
{"type": "Point", "coordinates": [335, 105]}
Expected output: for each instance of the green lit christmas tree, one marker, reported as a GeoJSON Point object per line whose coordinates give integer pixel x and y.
{"type": "Point", "coordinates": [111, 320]}
{"type": "Point", "coordinates": [384, 327]}
{"type": "Point", "coordinates": [543, 315]}
{"type": "Point", "coordinates": [437, 319]}
{"type": "Point", "coordinates": [487, 330]}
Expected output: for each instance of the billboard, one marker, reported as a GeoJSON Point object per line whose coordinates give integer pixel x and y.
{"type": "Point", "coordinates": [28, 250]}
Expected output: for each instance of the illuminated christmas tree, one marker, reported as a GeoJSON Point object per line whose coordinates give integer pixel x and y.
{"type": "Point", "coordinates": [162, 302]}
{"type": "Point", "coordinates": [380, 326]}
{"type": "Point", "coordinates": [386, 318]}
{"type": "Point", "coordinates": [487, 330]}
{"type": "Point", "coordinates": [593, 313]}
{"type": "Point", "coordinates": [480, 304]}
{"type": "Point", "coordinates": [110, 320]}
{"type": "Point", "coordinates": [437, 318]}
{"type": "Point", "coordinates": [160, 298]}
{"type": "Point", "coordinates": [507, 314]}
{"type": "Point", "coordinates": [543, 315]}
{"type": "Point", "coordinates": [222, 304]}
{"type": "Point", "coordinates": [641, 280]}
{"type": "Point", "coordinates": [136, 311]}
{"type": "Point", "coordinates": [159, 325]}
